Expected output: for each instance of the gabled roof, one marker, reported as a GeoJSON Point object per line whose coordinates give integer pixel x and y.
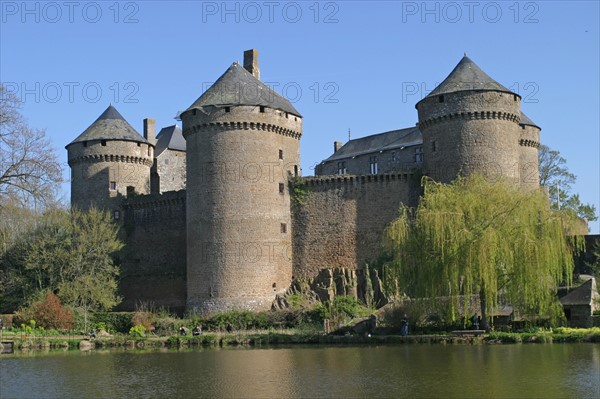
{"type": "Point", "coordinates": [379, 142]}
{"type": "Point", "coordinates": [237, 86]}
{"type": "Point", "coordinates": [467, 76]}
{"type": "Point", "coordinates": [526, 121]}
{"type": "Point", "coordinates": [581, 295]}
{"type": "Point", "coordinates": [110, 126]}
{"type": "Point", "coordinates": [171, 138]}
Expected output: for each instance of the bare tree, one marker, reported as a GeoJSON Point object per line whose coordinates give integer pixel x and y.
{"type": "Point", "coordinates": [29, 169]}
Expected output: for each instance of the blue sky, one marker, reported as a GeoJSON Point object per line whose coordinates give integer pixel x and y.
{"type": "Point", "coordinates": [344, 64]}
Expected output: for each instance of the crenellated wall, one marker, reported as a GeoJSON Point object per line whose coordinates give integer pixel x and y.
{"type": "Point", "coordinates": [154, 258]}
{"type": "Point", "coordinates": [338, 221]}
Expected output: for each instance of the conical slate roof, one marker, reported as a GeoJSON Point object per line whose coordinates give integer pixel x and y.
{"type": "Point", "coordinates": [467, 76]}
{"type": "Point", "coordinates": [237, 86]}
{"type": "Point", "coordinates": [110, 126]}
{"type": "Point", "coordinates": [526, 121]}
{"type": "Point", "coordinates": [170, 137]}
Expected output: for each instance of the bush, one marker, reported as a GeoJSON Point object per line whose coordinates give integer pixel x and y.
{"type": "Point", "coordinates": [137, 331]}
{"type": "Point", "coordinates": [48, 313]}
{"type": "Point", "coordinates": [115, 321]}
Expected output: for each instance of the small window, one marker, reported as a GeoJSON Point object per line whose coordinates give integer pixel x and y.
{"type": "Point", "coordinates": [281, 188]}
{"type": "Point", "coordinates": [515, 97]}
{"type": "Point", "coordinates": [139, 144]}
{"type": "Point", "coordinates": [227, 109]}
{"type": "Point", "coordinates": [374, 165]}
{"type": "Point", "coordinates": [441, 98]}
{"type": "Point", "coordinates": [286, 115]}
{"type": "Point", "coordinates": [85, 143]}
{"type": "Point", "coordinates": [117, 215]}
{"type": "Point", "coordinates": [262, 109]}
{"type": "Point", "coordinates": [103, 142]}
{"type": "Point", "coordinates": [280, 154]}
{"type": "Point", "coordinates": [419, 154]}
{"type": "Point", "coordinates": [194, 112]}
{"type": "Point", "coordinates": [283, 228]}
{"type": "Point", "coordinates": [434, 146]}
{"type": "Point", "coordinates": [296, 170]}
{"type": "Point", "coordinates": [112, 186]}
{"type": "Point", "coordinates": [341, 168]}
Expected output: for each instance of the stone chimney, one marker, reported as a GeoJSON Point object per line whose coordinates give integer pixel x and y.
{"type": "Point", "coordinates": [251, 62]}
{"type": "Point", "coordinates": [337, 145]}
{"type": "Point", "coordinates": [150, 130]}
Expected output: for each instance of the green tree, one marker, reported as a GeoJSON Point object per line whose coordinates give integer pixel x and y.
{"type": "Point", "coordinates": [555, 176]}
{"type": "Point", "coordinates": [69, 252]}
{"type": "Point", "coordinates": [474, 238]}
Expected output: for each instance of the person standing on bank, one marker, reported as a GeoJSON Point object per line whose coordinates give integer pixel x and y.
{"type": "Point", "coordinates": [404, 326]}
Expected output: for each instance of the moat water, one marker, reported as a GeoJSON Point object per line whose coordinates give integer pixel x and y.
{"type": "Point", "coordinates": [403, 371]}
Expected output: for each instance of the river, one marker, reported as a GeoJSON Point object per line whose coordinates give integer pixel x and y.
{"type": "Point", "coordinates": [398, 371]}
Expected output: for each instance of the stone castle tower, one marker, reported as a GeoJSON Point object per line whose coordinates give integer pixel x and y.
{"type": "Point", "coordinates": [471, 123]}
{"type": "Point", "coordinates": [242, 144]}
{"type": "Point", "coordinates": [107, 159]}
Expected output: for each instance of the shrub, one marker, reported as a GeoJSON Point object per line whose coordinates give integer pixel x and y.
{"type": "Point", "coordinates": [115, 321]}
{"type": "Point", "coordinates": [48, 313]}
{"type": "Point", "coordinates": [137, 331]}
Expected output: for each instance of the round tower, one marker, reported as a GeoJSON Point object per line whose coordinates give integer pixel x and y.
{"type": "Point", "coordinates": [529, 144]}
{"type": "Point", "coordinates": [470, 123]}
{"type": "Point", "coordinates": [106, 159]}
{"type": "Point", "coordinates": [243, 146]}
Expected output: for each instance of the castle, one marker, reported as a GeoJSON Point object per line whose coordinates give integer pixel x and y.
{"type": "Point", "coordinates": [217, 216]}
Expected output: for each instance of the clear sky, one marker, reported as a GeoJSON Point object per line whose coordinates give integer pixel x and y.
{"type": "Point", "coordinates": [354, 65]}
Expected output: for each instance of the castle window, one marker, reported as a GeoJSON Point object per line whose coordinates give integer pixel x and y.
{"type": "Point", "coordinates": [112, 185]}
{"type": "Point", "coordinates": [139, 144]}
{"type": "Point", "coordinates": [296, 170]}
{"type": "Point", "coordinates": [419, 154]}
{"type": "Point", "coordinates": [85, 143]}
{"type": "Point", "coordinates": [262, 109]}
{"type": "Point", "coordinates": [280, 154]}
{"type": "Point", "coordinates": [515, 97]}
{"type": "Point", "coordinates": [434, 146]}
{"type": "Point", "coordinates": [103, 142]}
{"type": "Point", "coordinates": [117, 215]}
{"type": "Point", "coordinates": [283, 228]}
{"type": "Point", "coordinates": [441, 98]}
{"type": "Point", "coordinates": [374, 165]}
{"type": "Point", "coordinates": [194, 112]}
{"type": "Point", "coordinates": [227, 109]}
{"type": "Point", "coordinates": [341, 168]}
{"type": "Point", "coordinates": [286, 115]}
{"type": "Point", "coordinates": [281, 188]}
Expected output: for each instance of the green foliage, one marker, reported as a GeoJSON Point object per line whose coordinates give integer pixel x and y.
{"type": "Point", "coordinates": [137, 331]}
{"type": "Point", "coordinates": [476, 238]}
{"type": "Point", "coordinates": [69, 253]}
{"type": "Point", "coordinates": [299, 192]}
{"type": "Point", "coordinates": [555, 176]}
{"type": "Point", "coordinates": [119, 322]}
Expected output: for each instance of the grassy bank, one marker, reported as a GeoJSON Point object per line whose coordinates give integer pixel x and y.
{"type": "Point", "coordinates": [270, 338]}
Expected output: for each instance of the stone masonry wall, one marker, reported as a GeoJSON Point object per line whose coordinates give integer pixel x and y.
{"type": "Point", "coordinates": [171, 170]}
{"type": "Point", "coordinates": [338, 222]}
{"type": "Point", "coordinates": [154, 258]}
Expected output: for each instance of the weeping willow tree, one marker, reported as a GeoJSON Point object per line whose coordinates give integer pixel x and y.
{"type": "Point", "coordinates": [474, 238]}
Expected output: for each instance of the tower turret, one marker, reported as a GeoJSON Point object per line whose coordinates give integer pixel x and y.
{"type": "Point", "coordinates": [106, 159]}
{"type": "Point", "coordinates": [242, 142]}
{"type": "Point", "coordinates": [470, 123]}
{"type": "Point", "coordinates": [529, 144]}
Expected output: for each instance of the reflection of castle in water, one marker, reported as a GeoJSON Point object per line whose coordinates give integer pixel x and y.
{"type": "Point", "coordinates": [216, 216]}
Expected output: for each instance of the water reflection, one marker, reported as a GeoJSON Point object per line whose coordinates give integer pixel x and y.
{"type": "Point", "coordinates": [508, 371]}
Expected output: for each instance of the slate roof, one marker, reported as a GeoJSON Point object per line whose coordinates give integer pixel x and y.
{"type": "Point", "coordinates": [581, 295]}
{"type": "Point", "coordinates": [237, 86]}
{"type": "Point", "coordinates": [379, 142]}
{"type": "Point", "coordinates": [110, 126]}
{"type": "Point", "coordinates": [171, 138]}
{"type": "Point", "coordinates": [526, 121]}
{"type": "Point", "coordinates": [467, 76]}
